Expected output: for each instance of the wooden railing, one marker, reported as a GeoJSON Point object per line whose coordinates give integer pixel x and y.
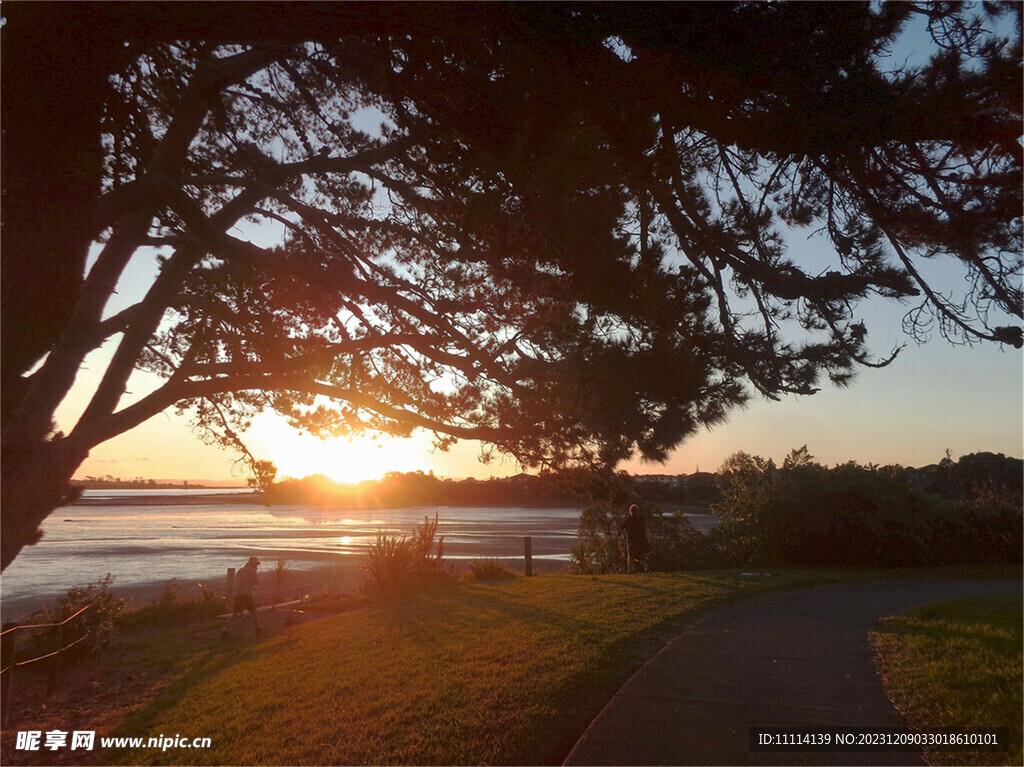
{"type": "Point", "coordinates": [8, 657]}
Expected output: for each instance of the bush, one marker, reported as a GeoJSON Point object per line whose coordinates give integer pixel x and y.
{"type": "Point", "coordinates": [173, 607]}
{"type": "Point", "coordinates": [803, 514]}
{"type": "Point", "coordinates": [994, 515]}
{"type": "Point", "coordinates": [678, 545]}
{"type": "Point", "coordinates": [394, 562]}
{"type": "Point", "coordinates": [427, 563]}
{"type": "Point", "coordinates": [91, 630]}
{"type": "Point", "coordinates": [281, 571]}
{"type": "Point", "coordinates": [597, 548]}
{"type": "Point", "coordinates": [389, 562]}
{"type": "Point", "coordinates": [489, 570]}
{"type": "Point", "coordinates": [986, 474]}
{"type": "Point", "coordinates": [600, 546]}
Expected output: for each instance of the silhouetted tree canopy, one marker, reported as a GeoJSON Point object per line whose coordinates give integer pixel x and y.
{"type": "Point", "coordinates": [562, 229]}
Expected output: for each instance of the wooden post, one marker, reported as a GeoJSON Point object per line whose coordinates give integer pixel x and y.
{"type": "Point", "coordinates": [528, 553]}
{"type": "Point", "coordinates": [7, 661]}
{"type": "Point", "coordinates": [51, 664]}
{"type": "Point", "coordinates": [229, 589]}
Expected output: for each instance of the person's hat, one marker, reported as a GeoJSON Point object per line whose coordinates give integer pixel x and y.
{"type": "Point", "coordinates": [253, 561]}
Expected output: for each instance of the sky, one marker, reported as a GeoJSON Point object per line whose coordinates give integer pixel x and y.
{"type": "Point", "coordinates": [933, 398]}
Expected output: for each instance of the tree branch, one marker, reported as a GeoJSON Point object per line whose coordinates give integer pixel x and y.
{"type": "Point", "coordinates": [146, 318]}
{"type": "Point", "coordinates": [305, 384]}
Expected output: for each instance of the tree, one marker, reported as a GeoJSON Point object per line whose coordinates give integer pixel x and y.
{"type": "Point", "coordinates": [563, 235]}
{"type": "Point", "coordinates": [804, 514]}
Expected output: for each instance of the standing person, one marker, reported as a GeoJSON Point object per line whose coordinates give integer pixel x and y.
{"type": "Point", "coordinates": [247, 581]}
{"type": "Point", "coordinates": [637, 545]}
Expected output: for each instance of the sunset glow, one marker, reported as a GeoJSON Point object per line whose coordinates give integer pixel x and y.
{"type": "Point", "coordinates": [343, 460]}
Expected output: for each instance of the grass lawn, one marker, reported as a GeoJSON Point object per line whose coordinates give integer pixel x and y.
{"type": "Point", "coordinates": [455, 674]}
{"type": "Point", "coordinates": [461, 673]}
{"type": "Point", "coordinates": [957, 664]}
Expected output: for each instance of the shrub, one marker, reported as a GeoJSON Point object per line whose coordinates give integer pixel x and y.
{"type": "Point", "coordinates": [584, 560]}
{"type": "Point", "coordinates": [169, 598]}
{"type": "Point", "coordinates": [993, 513]}
{"type": "Point", "coordinates": [986, 474]}
{"type": "Point", "coordinates": [489, 570]}
{"type": "Point", "coordinates": [427, 563]}
{"type": "Point", "coordinates": [171, 606]}
{"type": "Point", "coordinates": [600, 547]}
{"type": "Point", "coordinates": [389, 561]}
{"type": "Point", "coordinates": [91, 630]}
{"type": "Point", "coordinates": [678, 545]}
{"type": "Point", "coordinates": [394, 562]}
{"type": "Point", "coordinates": [597, 549]}
{"type": "Point", "coordinates": [211, 601]}
{"type": "Point", "coordinates": [804, 514]}
{"type": "Point", "coordinates": [281, 572]}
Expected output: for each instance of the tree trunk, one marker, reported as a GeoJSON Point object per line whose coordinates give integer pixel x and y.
{"type": "Point", "coordinates": [55, 65]}
{"type": "Point", "coordinates": [37, 480]}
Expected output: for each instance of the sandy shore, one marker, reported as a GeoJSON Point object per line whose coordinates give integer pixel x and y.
{"type": "Point", "coordinates": [339, 578]}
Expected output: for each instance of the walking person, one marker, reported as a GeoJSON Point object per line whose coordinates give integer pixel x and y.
{"type": "Point", "coordinates": [247, 582]}
{"type": "Point", "coordinates": [637, 546]}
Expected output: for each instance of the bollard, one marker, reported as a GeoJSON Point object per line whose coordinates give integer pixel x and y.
{"type": "Point", "coordinates": [528, 553]}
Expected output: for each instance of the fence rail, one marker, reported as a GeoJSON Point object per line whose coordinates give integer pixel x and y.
{"type": "Point", "coordinates": [24, 626]}
{"type": "Point", "coordinates": [8, 648]}
{"type": "Point", "coordinates": [279, 596]}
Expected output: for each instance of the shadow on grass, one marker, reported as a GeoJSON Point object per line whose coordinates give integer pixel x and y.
{"type": "Point", "coordinates": [610, 626]}
{"type": "Point", "coordinates": [219, 656]}
{"type": "Point", "coordinates": [991, 622]}
{"type": "Point", "coordinates": [957, 663]}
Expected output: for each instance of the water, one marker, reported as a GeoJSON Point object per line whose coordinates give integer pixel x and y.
{"type": "Point", "coordinates": [143, 538]}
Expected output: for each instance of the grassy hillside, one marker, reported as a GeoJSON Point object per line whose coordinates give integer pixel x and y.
{"type": "Point", "coordinates": [456, 674]}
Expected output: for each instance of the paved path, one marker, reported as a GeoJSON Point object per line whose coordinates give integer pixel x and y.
{"type": "Point", "coordinates": [787, 659]}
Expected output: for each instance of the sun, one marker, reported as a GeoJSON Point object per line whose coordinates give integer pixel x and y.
{"type": "Point", "coordinates": [343, 460]}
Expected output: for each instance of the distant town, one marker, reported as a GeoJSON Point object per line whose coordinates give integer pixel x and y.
{"type": "Point", "coordinates": [700, 489]}
{"type": "Point", "coordinates": [108, 482]}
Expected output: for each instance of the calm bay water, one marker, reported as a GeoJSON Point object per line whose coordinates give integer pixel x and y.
{"type": "Point", "coordinates": [190, 535]}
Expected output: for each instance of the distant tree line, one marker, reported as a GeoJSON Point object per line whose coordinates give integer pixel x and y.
{"type": "Point", "coordinates": [961, 479]}
{"type": "Point", "coordinates": [700, 489]}
{"type": "Point", "coordinates": [398, 489]}
{"type": "Point", "coordinates": [974, 475]}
